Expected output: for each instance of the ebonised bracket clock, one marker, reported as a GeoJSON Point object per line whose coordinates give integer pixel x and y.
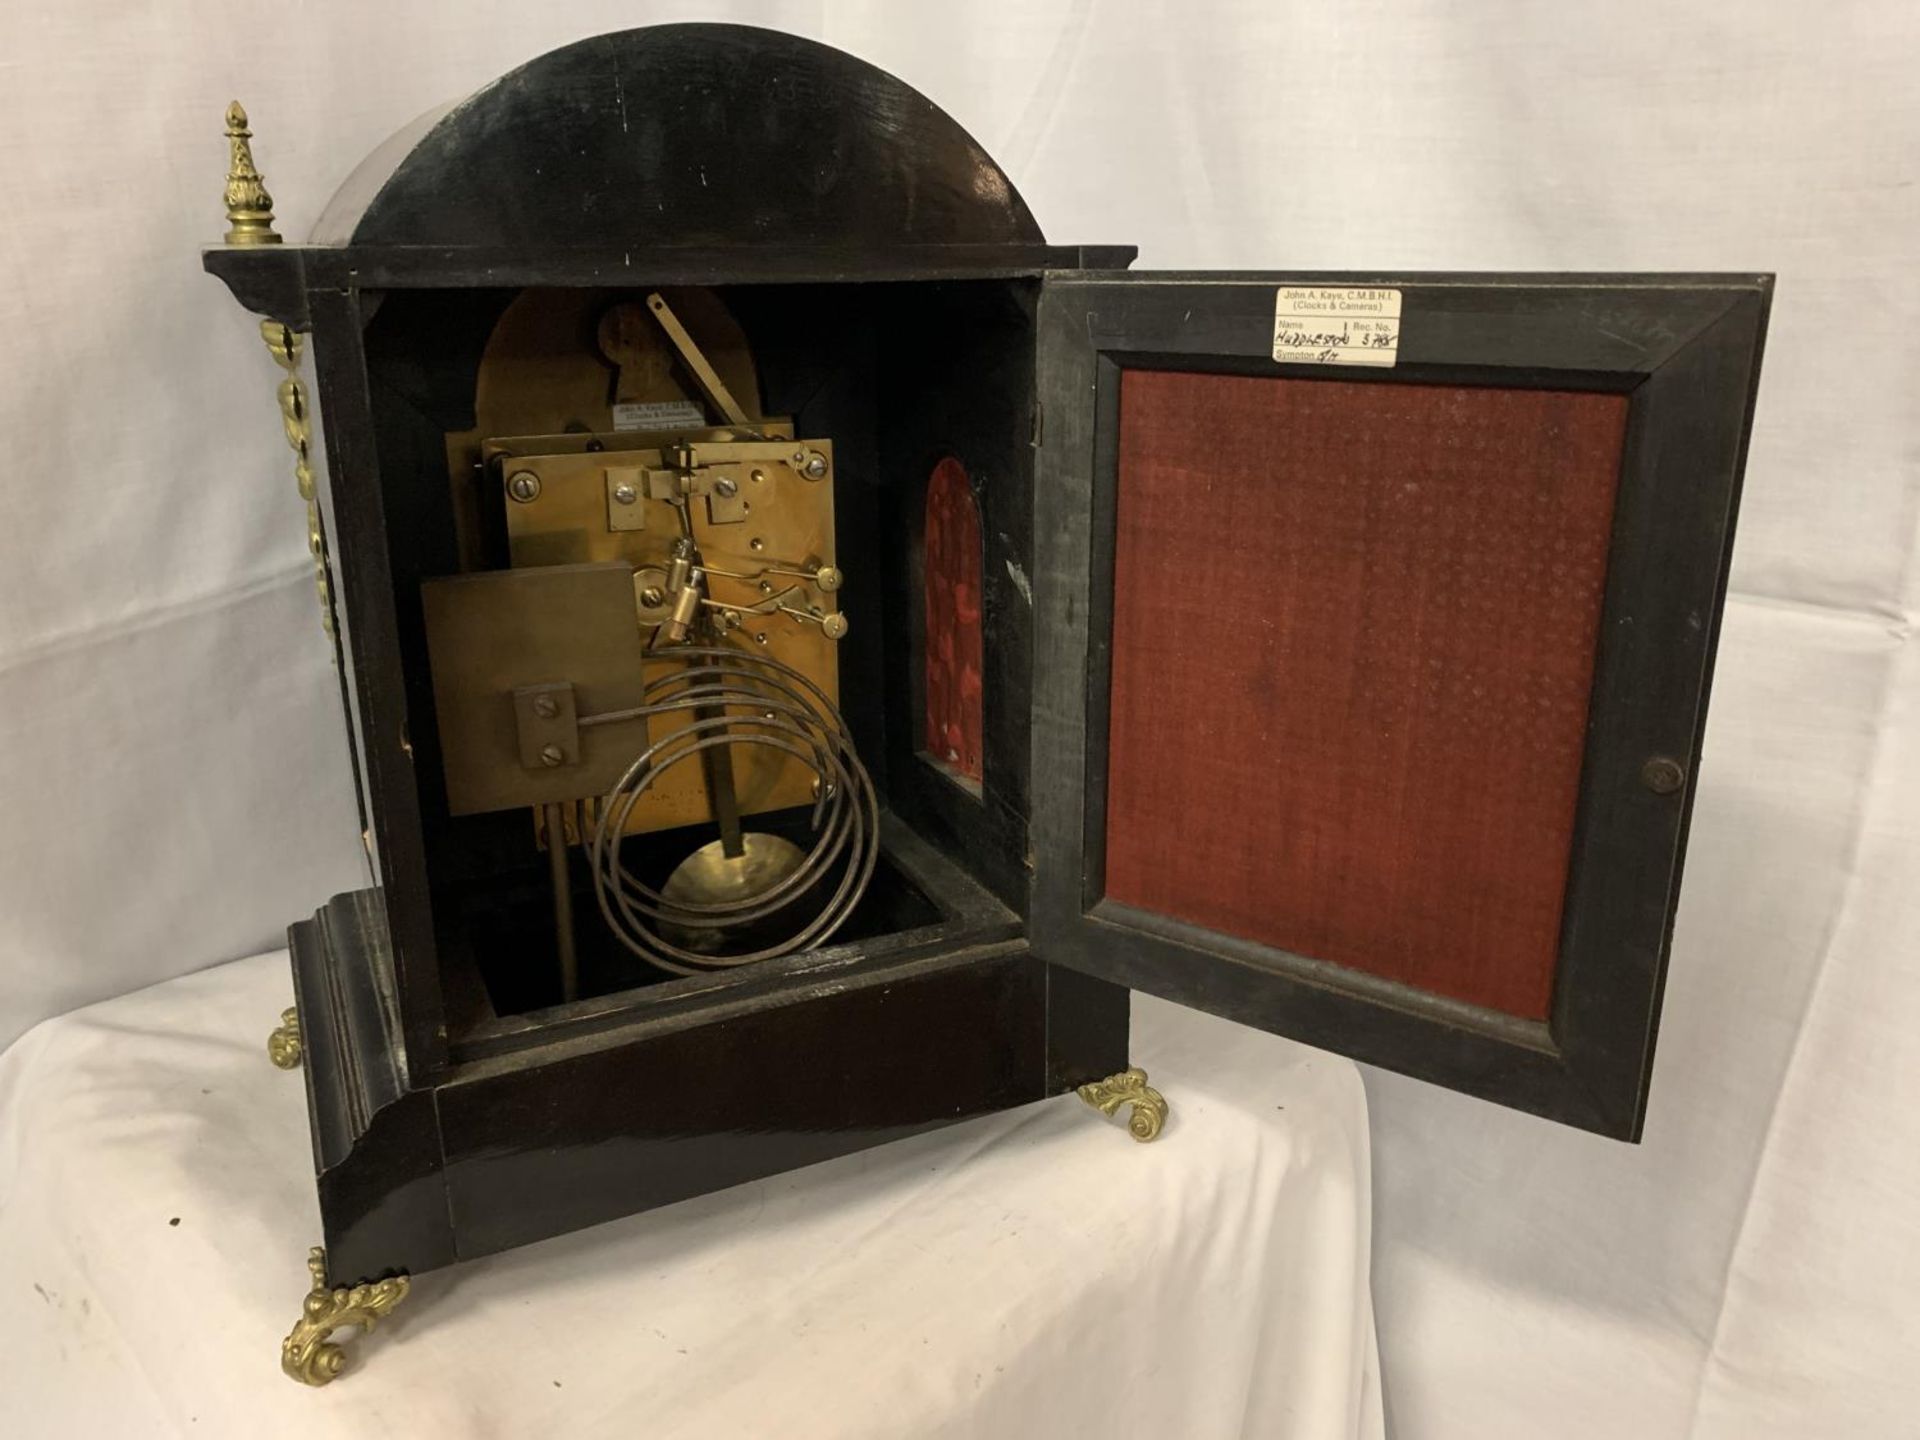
{"type": "Point", "coordinates": [785, 607]}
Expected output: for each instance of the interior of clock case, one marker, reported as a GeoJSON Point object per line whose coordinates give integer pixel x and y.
{"type": "Point", "coordinates": [916, 400]}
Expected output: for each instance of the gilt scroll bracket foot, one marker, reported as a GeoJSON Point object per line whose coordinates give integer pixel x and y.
{"type": "Point", "coordinates": [1129, 1087]}
{"type": "Point", "coordinates": [283, 1045]}
{"type": "Point", "coordinates": [306, 1354]}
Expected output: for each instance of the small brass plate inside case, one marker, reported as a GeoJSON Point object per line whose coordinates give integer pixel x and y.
{"type": "Point", "coordinates": [548, 725]}
{"type": "Point", "coordinates": [500, 631]}
{"type": "Point", "coordinates": [626, 507]}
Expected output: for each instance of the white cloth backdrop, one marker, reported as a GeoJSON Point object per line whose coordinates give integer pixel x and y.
{"type": "Point", "coordinates": [1029, 1274]}
{"type": "Point", "coordinates": [174, 785]}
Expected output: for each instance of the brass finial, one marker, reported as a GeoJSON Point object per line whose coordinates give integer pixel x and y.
{"type": "Point", "coordinates": [249, 206]}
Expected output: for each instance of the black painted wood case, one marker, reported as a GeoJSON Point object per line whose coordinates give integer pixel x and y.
{"type": "Point", "coordinates": [899, 298]}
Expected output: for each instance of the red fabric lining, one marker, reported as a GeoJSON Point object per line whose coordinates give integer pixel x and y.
{"type": "Point", "coordinates": [1353, 638]}
{"type": "Point", "coordinates": [951, 561]}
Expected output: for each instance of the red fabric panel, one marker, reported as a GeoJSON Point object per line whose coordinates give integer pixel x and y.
{"type": "Point", "coordinates": [1353, 640]}
{"type": "Point", "coordinates": [951, 560]}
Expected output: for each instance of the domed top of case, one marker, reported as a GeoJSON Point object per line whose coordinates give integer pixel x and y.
{"type": "Point", "coordinates": [692, 135]}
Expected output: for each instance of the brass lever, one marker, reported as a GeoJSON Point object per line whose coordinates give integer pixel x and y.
{"type": "Point", "coordinates": [704, 375]}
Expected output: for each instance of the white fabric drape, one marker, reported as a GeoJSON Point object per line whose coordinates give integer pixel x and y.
{"type": "Point", "coordinates": [173, 781]}
{"type": "Point", "coordinates": [1032, 1273]}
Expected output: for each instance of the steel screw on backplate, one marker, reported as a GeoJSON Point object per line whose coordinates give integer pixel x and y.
{"type": "Point", "coordinates": [552, 755]}
{"type": "Point", "coordinates": [524, 486]}
{"type": "Point", "coordinates": [652, 597]}
{"type": "Point", "coordinates": [625, 494]}
{"type": "Point", "coordinates": [545, 706]}
{"type": "Point", "coordinates": [1662, 775]}
{"type": "Point", "coordinates": [726, 488]}
{"type": "Point", "coordinates": [816, 466]}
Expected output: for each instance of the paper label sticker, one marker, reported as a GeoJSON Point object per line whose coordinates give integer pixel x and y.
{"type": "Point", "coordinates": [659, 415]}
{"type": "Point", "coordinates": [1336, 325]}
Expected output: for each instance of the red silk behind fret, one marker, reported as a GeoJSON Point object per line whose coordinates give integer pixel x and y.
{"type": "Point", "coordinates": [1353, 640]}
{"type": "Point", "coordinates": [951, 560]}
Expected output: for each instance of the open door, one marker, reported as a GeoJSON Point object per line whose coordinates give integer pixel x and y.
{"type": "Point", "coordinates": [1374, 621]}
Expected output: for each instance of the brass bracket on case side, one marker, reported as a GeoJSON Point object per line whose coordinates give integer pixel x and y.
{"type": "Point", "coordinates": [283, 1045]}
{"type": "Point", "coordinates": [305, 1355]}
{"type": "Point", "coordinates": [1129, 1087]}
{"type": "Point", "coordinates": [296, 418]}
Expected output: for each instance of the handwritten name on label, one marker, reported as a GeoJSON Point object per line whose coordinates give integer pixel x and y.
{"type": "Point", "coordinates": [1336, 325]}
{"type": "Point", "coordinates": [658, 415]}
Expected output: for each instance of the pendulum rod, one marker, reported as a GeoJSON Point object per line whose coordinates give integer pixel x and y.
{"type": "Point", "coordinates": [716, 769]}
{"type": "Point", "coordinates": [689, 621]}
{"type": "Point", "coordinates": [556, 821]}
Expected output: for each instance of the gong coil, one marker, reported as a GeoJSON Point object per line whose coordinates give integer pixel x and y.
{"type": "Point", "coordinates": [787, 712]}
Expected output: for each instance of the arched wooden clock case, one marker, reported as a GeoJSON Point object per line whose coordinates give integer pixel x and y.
{"type": "Point", "coordinates": [1358, 702]}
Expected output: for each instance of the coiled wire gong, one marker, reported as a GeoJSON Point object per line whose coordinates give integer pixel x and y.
{"type": "Point", "coordinates": [774, 705]}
